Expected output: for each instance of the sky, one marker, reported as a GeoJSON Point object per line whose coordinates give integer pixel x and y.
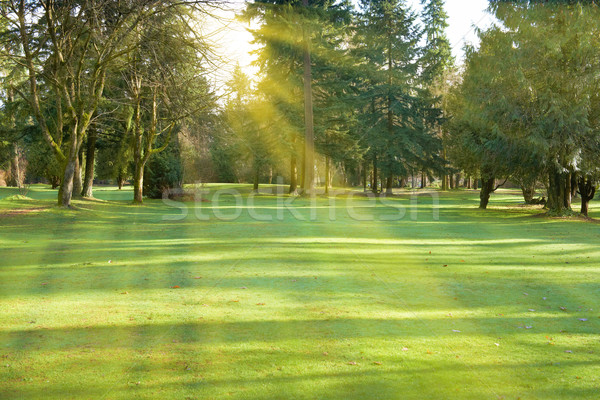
{"type": "Point", "coordinates": [463, 15]}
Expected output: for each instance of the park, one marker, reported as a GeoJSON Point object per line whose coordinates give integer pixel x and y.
{"type": "Point", "coordinates": [349, 207]}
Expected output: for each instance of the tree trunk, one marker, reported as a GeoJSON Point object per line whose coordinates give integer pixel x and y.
{"type": "Point", "coordinates": [568, 192]}
{"type": "Point", "coordinates": [389, 186]}
{"type": "Point", "coordinates": [364, 176]}
{"type": "Point", "coordinates": [65, 192]}
{"type": "Point", "coordinates": [15, 179]}
{"type": "Point", "coordinates": [574, 184]}
{"type": "Point", "coordinates": [120, 180]}
{"type": "Point", "coordinates": [587, 190]}
{"type": "Point", "coordinates": [138, 183]}
{"type": "Point", "coordinates": [54, 181]}
{"type": "Point", "coordinates": [451, 181]}
{"type": "Point", "coordinates": [476, 183]}
{"type": "Point", "coordinates": [308, 113]}
{"type": "Point", "coordinates": [469, 182]}
{"type": "Point", "coordinates": [90, 155]}
{"type": "Point", "coordinates": [293, 174]}
{"type": "Point", "coordinates": [327, 175]}
{"type": "Point", "coordinates": [423, 180]}
{"type": "Point", "coordinates": [256, 174]}
{"type": "Point", "coordinates": [557, 192]}
{"type": "Point", "coordinates": [487, 187]}
{"type": "Point", "coordinates": [528, 193]}
{"type": "Point", "coordinates": [375, 178]}
{"type": "Point", "coordinates": [445, 176]}
{"type": "Point", "coordinates": [77, 182]}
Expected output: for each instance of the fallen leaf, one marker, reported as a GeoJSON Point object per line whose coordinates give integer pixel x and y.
{"type": "Point", "coordinates": [462, 260]}
{"type": "Point", "coordinates": [563, 308]}
{"type": "Point", "coordinates": [497, 344]}
{"type": "Point", "coordinates": [455, 330]}
{"type": "Point", "coordinates": [235, 301]}
{"type": "Point", "coordinates": [429, 352]}
{"type": "Point", "coordinates": [44, 284]}
{"type": "Point", "coordinates": [445, 265]}
{"type": "Point", "coordinates": [568, 351]}
{"type": "Point", "coordinates": [376, 363]}
{"type": "Point", "coordinates": [352, 363]}
{"type": "Point", "coordinates": [124, 292]}
{"type": "Point", "coordinates": [110, 261]}
{"type": "Point", "coordinates": [243, 287]}
{"type": "Point", "coordinates": [260, 304]}
{"type": "Point", "coordinates": [325, 353]}
{"type": "Point", "coordinates": [526, 294]}
{"type": "Point", "coordinates": [531, 309]}
{"type": "Point", "coordinates": [405, 349]}
{"type": "Point", "coordinates": [175, 287]}
{"type": "Point", "coordinates": [197, 277]}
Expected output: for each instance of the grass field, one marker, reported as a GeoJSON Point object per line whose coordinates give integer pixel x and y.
{"type": "Point", "coordinates": [114, 301]}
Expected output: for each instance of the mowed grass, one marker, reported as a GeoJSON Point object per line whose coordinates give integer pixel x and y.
{"type": "Point", "coordinates": [115, 301]}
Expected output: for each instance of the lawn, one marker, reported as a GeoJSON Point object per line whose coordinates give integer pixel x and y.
{"type": "Point", "coordinates": [115, 301]}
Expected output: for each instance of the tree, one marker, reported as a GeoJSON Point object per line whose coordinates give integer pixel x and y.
{"type": "Point", "coordinates": [438, 69]}
{"type": "Point", "coordinates": [165, 84]}
{"type": "Point", "coordinates": [67, 48]}
{"type": "Point", "coordinates": [527, 95]}
{"type": "Point", "coordinates": [393, 112]}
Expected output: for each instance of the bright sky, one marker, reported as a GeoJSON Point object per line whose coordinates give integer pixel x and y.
{"type": "Point", "coordinates": [464, 15]}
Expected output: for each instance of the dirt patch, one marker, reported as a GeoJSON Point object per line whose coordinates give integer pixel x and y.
{"type": "Point", "coordinates": [567, 218]}
{"type": "Point", "coordinates": [21, 211]}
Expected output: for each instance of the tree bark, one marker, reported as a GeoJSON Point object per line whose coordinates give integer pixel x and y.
{"type": "Point", "coordinates": [389, 186]}
{"type": "Point", "coordinates": [364, 176]}
{"type": "Point", "coordinates": [138, 183]}
{"type": "Point", "coordinates": [77, 181]}
{"type": "Point", "coordinates": [120, 179]}
{"type": "Point", "coordinates": [327, 175]}
{"type": "Point", "coordinates": [451, 181]}
{"type": "Point", "coordinates": [587, 190]}
{"type": "Point", "coordinates": [487, 187]}
{"type": "Point", "coordinates": [256, 175]}
{"type": "Point", "coordinates": [558, 196]}
{"type": "Point", "coordinates": [65, 192]}
{"type": "Point", "coordinates": [574, 185]}
{"type": "Point", "coordinates": [375, 178]}
{"type": "Point", "coordinates": [423, 180]}
{"type": "Point", "coordinates": [90, 156]}
{"type": "Point", "coordinates": [293, 173]}
{"type": "Point", "coordinates": [469, 182]}
{"type": "Point", "coordinates": [15, 179]}
{"type": "Point", "coordinates": [528, 193]}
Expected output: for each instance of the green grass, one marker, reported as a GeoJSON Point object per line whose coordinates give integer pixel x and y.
{"type": "Point", "coordinates": [293, 309]}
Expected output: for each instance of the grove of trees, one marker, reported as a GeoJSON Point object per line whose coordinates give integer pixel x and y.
{"type": "Point", "coordinates": [364, 94]}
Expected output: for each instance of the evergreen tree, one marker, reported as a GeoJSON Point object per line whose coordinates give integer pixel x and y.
{"type": "Point", "coordinates": [393, 113]}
